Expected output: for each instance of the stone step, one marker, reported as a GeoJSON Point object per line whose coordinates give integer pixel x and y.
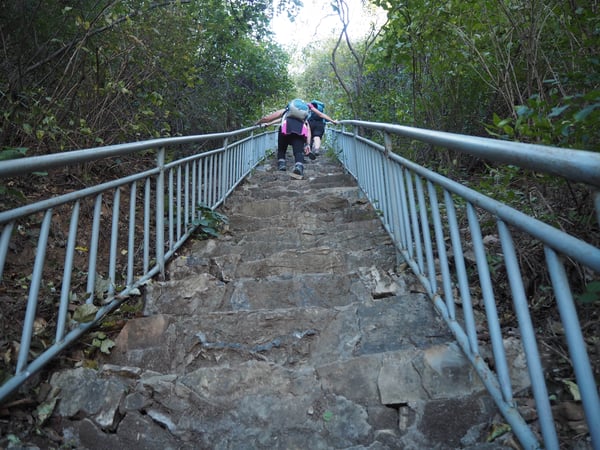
{"type": "Point", "coordinates": [206, 293]}
{"type": "Point", "coordinates": [289, 250]}
{"type": "Point", "coordinates": [327, 209]}
{"type": "Point", "coordinates": [317, 276]}
{"type": "Point", "coordinates": [286, 334]}
{"type": "Point", "coordinates": [357, 403]}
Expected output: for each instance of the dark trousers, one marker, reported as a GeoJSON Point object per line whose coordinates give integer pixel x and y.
{"type": "Point", "coordinates": [297, 143]}
{"type": "Point", "coordinates": [317, 128]}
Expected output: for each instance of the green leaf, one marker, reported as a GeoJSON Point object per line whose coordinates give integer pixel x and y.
{"type": "Point", "coordinates": [524, 111]}
{"type": "Point", "coordinates": [573, 389]}
{"type": "Point", "coordinates": [200, 222]}
{"type": "Point", "coordinates": [503, 123]}
{"type": "Point", "coordinates": [45, 410]}
{"type": "Point", "coordinates": [102, 285]}
{"type": "Point", "coordinates": [13, 439]}
{"type": "Point", "coordinates": [12, 153]}
{"type": "Point", "coordinates": [557, 111]}
{"type": "Point", "coordinates": [496, 119]}
{"type": "Point", "coordinates": [582, 114]}
{"type": "Point", "coordinates": [210, 231]}
{"type": "Point", "coordinates": [497, 431]}
{"type": "Point", "coordinates": [591, 294]}
{"type": "Point", "coordinates": [107, 344]}
{"type": "Point", "coordinates": [85, 313]}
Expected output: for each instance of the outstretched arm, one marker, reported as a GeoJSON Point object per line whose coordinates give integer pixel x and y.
{"type": "Point", "coordinates": [321, 115]}
{"type": "Point", "coordinates": [270, 117]}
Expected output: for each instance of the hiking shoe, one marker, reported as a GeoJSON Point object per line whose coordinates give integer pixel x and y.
{"type": "Point", "coordinates": [316, 152]}
{"type": "Point", "coordinates": [309, 152]}
{"type": "Point", "coordinates": [281, 165]}
{"type": "Point", "coordinates": [298, 171]}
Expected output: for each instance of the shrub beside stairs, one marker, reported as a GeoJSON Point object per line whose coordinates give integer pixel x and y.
{"type": "Point", "coordinates": [296, 328]}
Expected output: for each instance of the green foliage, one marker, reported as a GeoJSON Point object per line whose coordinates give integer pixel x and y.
{"type": "Point", "coordinates": [85, 313]}
{"type": "Point", "coordinates": [591, 294]}
{"type": "Point", "coordinates": [93, 74]}
{"type": "Point", "coordinates": [209, 222]}
{"type": "Point", "coordinates": [101, 342]}
{"type": "Point", "coordinates": [570, 121]}
{"type": "Point", "coordinates": [434, 87]}
{"type": "Point", "coordinates": [533, 63]}
{"type": "Point", "coordinates": [7, 153]}
{"type": "Point", "coordinates": [318, 80]}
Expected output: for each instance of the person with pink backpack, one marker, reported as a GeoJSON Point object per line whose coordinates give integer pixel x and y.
{"type": "Point", "coordinates": [294, 130]}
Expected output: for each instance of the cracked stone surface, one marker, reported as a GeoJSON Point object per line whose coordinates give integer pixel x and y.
{"type": "Point", "coordinates": [295, 329]}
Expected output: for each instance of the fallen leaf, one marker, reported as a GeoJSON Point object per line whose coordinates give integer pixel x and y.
{"type": "Point", "coordinates": [85, 313]}
{"type": "Point", "coordinates": [45, 410]}
{"type": "Point", "coordinates": [573, 389]}
{"type": "Point", "coordinates": [497, 431]}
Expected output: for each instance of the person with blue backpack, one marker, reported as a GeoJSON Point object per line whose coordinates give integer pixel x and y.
{"type": "Point", "coordinates": [317, 125]}
{"type": "Point", "coordinates": [294, 130]}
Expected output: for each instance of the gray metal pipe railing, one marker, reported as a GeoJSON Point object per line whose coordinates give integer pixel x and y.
{"type": "Point", "coordinates": [576, 165]}
{"type": "Point", "coordinates": [419, 209]}
{"type": "Point", "coordinates": [161, 216]}
{"type": "Point", "coordinates": [412, 215]}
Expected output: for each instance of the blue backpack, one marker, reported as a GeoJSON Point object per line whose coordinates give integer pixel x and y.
{"type": "Point", "coordinates": [297, 109]}
{"type": "Point", "coordinates": [321, 107]}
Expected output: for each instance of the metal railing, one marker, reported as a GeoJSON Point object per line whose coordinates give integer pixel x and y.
{"type": "Point", "coordinates": [421, 210]}
{"type": "Point", "coordinates": [139, 221]}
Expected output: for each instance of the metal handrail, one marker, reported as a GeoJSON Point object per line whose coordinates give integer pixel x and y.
{"type": "Point", "coordinates": [420, 209]}
{"type": "Point", "coordinates": [154, 231]}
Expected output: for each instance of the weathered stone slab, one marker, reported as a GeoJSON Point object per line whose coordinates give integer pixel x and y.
{"type": "Point", "coordinates": [398, 380]}
{"type": "Point", "coordinates": [144, 342]}
{"type": "Point", "coordinates": [394, 323]}
{"type": "Point", "coordinates": [81, 392]}
{"type": "Point", "coordinates": [289, 291]}
{"type": "Point", "coordinates": [355, 378]}
{"type": "Point", "coordinates": [195, 294]}
{"type": "Point", "coordinates": [437, 372]}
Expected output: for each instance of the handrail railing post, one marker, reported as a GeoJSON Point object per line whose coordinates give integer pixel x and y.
{"type": "Point", "coordinates": [387, 139]}
{"type": "Point", "coordinates": [224, 170]}
{"type": "Point", "coordinates": [597, 206]}
{"type": "Point", "coordinates": [160, 211]}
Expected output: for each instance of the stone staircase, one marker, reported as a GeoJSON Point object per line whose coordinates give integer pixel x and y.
{"type": "Point", "coordinates": [298, 328]}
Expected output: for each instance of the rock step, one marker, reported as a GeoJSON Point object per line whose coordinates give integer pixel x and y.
{"type": "Point", "coordinates": [286, 336]}
{"type": "Point", "coordinates": [206, 293]}
{"type": "Point", "coordinates": [259, 243]}
{"type": "Point", "coordinates": [258, 405]}
{"type": "Point", "coordinates": [285, 251]}
{"type": "Point", "coordinates": [326, 210]}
